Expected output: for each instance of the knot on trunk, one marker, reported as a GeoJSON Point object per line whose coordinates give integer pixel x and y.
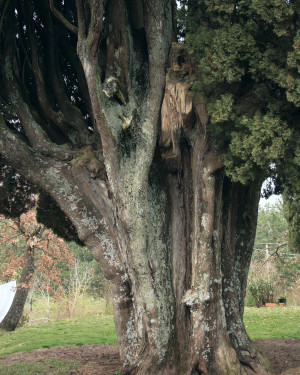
{"type": "Point", "coordinates": [193, 298]}
{"type": "Point", "coordinates": [85, 158]}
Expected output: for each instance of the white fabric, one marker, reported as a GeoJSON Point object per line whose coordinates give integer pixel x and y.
{"type": "Point", "coordinates": [7, 293]}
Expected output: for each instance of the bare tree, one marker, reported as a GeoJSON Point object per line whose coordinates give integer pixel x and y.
{"type": "Point", "coordinates": [80, 279]}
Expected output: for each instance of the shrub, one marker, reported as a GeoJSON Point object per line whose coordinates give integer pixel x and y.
{"type": "Point", "coordinates": [264, 282]}
{"type": "Point", "coordinates": [262, 291]}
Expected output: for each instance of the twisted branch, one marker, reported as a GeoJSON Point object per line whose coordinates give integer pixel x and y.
{"type": "Point", "coordinates": [62, 19]}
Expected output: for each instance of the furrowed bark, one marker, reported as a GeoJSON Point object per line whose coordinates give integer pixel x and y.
{"type": "Point", "coordinates": [148, 193]}
{"type": "Point", "coordinates": [216, 341]}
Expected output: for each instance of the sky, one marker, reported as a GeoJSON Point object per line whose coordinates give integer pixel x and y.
{"type": "Point", "coordinates": [272, 200]}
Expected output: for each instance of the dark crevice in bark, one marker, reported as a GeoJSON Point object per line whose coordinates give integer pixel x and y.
{"type": "Point", "coordinates": [163, 236]}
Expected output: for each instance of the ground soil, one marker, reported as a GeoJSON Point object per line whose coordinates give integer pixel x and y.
{"type": "Point", "coordinates": [284, 355]}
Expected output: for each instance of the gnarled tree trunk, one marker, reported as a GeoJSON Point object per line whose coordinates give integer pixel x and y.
{"type": "Point", "coordinates": [194, 231]}
{"type": "Point", "coordinates": [146, 191]}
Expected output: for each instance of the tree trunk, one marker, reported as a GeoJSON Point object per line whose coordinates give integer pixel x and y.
{"type": "Point", "coordinates": [11, 319]}
{"type": "Point", "coordinates": [30, 297]}
{"type": "Point", "coordinates": [190, 239]}
{"type": "Point", "coordinates": [171, 233]}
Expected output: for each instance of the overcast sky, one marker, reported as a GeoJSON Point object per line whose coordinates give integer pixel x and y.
{"type": "Point", "coordinates": [272, 200]}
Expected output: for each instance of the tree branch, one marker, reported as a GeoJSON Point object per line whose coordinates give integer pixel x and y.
{"type": "Point", "coordinates": [36, 135]}
{"type": "Point", "coordinates": [158, 28]}
{"type": "Point", "coordinates": [19, 155]}
{"type": "Point", "coordinates": [62, 19]}
{"type": "Point", "coordinates": [87, 48]}
{"type": "Point", "coordinates": [96, 26]}
{"type": "Point", "coordinates": [4, 7]}
{"type": "Point", "coordinates": [57, 118]}
{"type": "Point", "coordinates": [81, 19]}
{"type": "Point", "coordinates": [274, 253]}
{"type": "Point", "coordinates": [55, 81]}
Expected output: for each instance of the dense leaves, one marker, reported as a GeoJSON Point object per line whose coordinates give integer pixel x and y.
{"type": "Point", "coordinates": [292, 214]}
{"type": "Point", "coordinates": [271, 224]}
{"type": "Point", "coordinates": [51, 254]}
{"type": "Point", "coordinates": [249, 59]}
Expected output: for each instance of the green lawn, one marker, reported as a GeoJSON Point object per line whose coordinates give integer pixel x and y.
{"type": "Point", "coordinates": [99, 329]}
{"type": "Point", "coordinates": [276, 322]}
{"type": "Point", "coordinates": [92, 329]}
{"type": "Point", "coordinates": [51, 367]}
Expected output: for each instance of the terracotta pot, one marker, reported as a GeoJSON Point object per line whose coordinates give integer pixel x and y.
{"type": "Point", "coordinates": [269, 304]}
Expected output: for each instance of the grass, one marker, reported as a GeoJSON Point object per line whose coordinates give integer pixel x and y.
{"type": "Point", "coordinates": [272, 322]}
{"type": "Point", "coordinates": [92, 329]}
{"type": "Point", "coordinates": [51, 367]}
{"type": "Point", "coordinates": [99, 329]}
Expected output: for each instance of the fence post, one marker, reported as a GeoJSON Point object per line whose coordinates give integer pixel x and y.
{"type": "Point", "coordinates": [267, 258]}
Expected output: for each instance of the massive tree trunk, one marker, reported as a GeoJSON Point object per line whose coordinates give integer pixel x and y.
{"type": "Point", "coordinates": [146, 191]}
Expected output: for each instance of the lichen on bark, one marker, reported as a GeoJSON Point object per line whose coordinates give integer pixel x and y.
{"type": "Point", "coordinates": [151, 200]}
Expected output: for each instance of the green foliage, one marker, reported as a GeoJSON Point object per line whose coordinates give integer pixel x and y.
{"type": "Point", "coordinates": [221, 110]}
{"type": "Point", "coordinates": [271, 224]}
{"type": "Point", "coordinates": [292, 215]}
{"type": "Point", "coordinates": [273, 271]}
{"type": "Point", "coordinates": [249, 60]}
{"type": "Point", "coordinates": [255, 143]}
{"type": "Point", "coordinates": [261, 291]}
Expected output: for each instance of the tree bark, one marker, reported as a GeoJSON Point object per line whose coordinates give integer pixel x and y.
{"type": "Point", "coordinates": [172, 234]}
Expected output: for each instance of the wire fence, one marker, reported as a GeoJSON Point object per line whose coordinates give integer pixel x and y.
{"type": "Point", "coordinates": [273, 249]}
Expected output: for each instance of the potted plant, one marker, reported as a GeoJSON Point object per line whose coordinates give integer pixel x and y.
{"type": "Point", "coordinates": [282, 300]}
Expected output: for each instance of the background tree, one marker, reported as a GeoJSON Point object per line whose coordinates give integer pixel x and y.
{"type": "Point", "coordinates": [30, 253]}
{"type": "Point", "coordinates": [250, 53]}
{"type": "Point", "coordinates": [22, 238]}
{"type": "Point", "coordinates": [272, 227]}
{"type": "Point", "coordinates": [274, 269]}
{"type": "Point", "coordinates": [136, 158]}
{"type": "Point", "coordinates": [291, 198]}
{"type": "Point", "coordinates": [17, 197]}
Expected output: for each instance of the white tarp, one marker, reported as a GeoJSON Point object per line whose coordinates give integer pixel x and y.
{"type": "Point", "coordinates": [7, 293]}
